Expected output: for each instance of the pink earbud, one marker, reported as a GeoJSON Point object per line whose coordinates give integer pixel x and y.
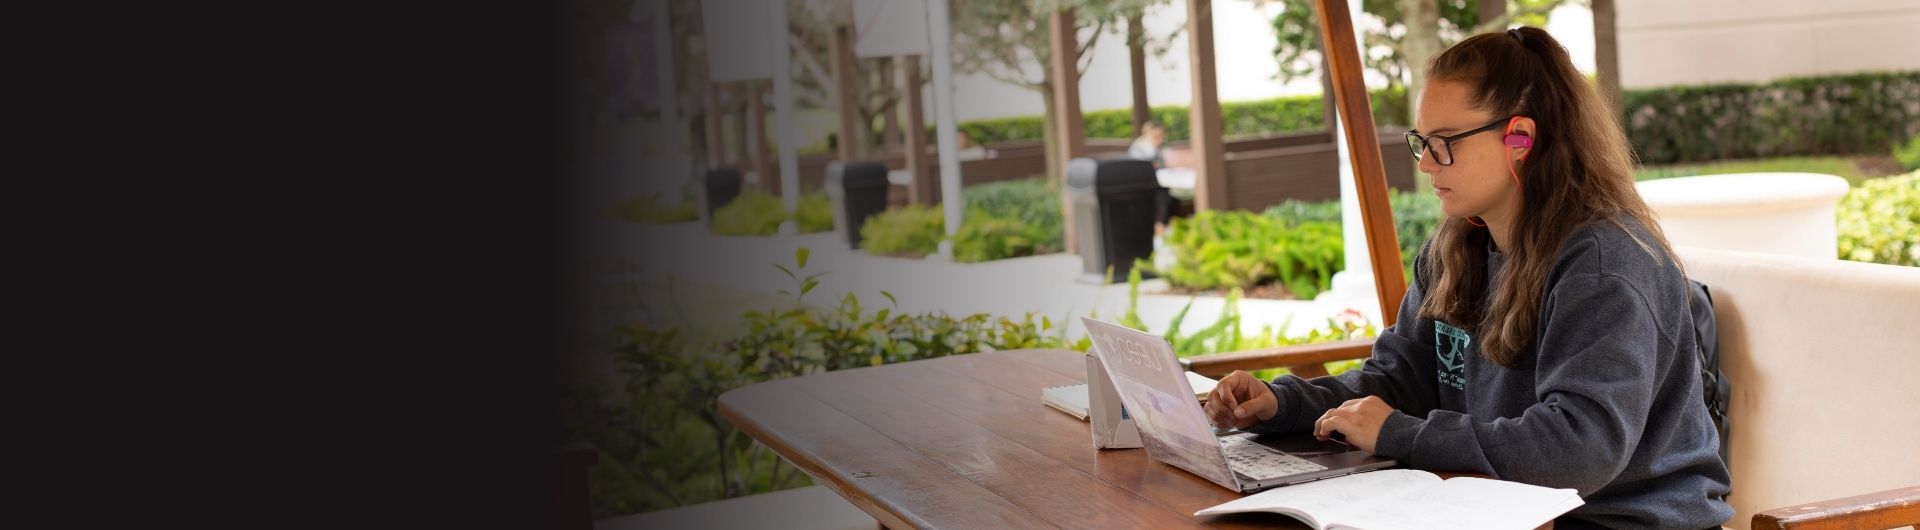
{"type": "Point", "coordinates": [1515, 140]}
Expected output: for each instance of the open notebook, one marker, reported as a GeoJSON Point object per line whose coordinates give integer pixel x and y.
{"type": "Point", "coordinates": [1408, 499]}
{"type": "Point", "coordinates": [1072, 399]}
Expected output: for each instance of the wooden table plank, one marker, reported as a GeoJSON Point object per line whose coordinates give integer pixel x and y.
{"type": "Point", "coordinates": [890, 482]}
{"type": "Point", "coordinates": [1015, 411]}
{"type": "Point", "coordinates": [965, 442]}
{"type": "Point", "coordinates": [892, 401]}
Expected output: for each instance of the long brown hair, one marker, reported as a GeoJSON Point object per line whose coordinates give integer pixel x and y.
{"type": "Point", "coordinates": [1580, 170]}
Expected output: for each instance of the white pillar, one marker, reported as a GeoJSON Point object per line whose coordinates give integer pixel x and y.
{"type": "Point", "coordinates": [666, 86]}
{"type": "Point", "coordinates": [939, 36]}
{"type": "Point", "coordinates": [783, 111]}
{"type": "Point", "coordinates": [1352, 287]}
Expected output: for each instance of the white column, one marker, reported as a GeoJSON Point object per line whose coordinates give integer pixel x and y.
{"type": "Point", "coordinates": [783, 111]}
{"type": "Point", "coordinates": [945, 131]}
{"type": "Point", "coordinates": [1352, 287]}
{"type": "Point", "coordinates": [666, 85]}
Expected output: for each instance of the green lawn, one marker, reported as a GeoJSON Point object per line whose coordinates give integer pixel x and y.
{"type": "Point", "coordinates": [1854, 169]}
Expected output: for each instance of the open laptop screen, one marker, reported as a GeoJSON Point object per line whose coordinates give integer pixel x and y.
{"type": "Point", "coordinates": [1154, 388]}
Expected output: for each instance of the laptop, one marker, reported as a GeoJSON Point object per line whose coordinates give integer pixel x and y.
{"type": "Point", "coordinates": [1153, 386]}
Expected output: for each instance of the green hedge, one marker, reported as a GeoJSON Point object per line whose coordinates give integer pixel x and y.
{"type": "Point", "coordinates": [1841, 114]}
{"type": "Point", "coordinates": [758, 213]}
{"type": "Point", "coordinates": [1279, 115]}
{"type": "Point", "coordinates": [1879, 221]}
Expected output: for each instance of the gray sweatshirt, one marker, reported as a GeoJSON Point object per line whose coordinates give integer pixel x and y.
{"type": "Point", "coordinates": [1606, 399]}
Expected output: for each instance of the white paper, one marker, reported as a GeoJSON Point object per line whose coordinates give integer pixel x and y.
{"type": "Point", "coordinates": [1330, 499]}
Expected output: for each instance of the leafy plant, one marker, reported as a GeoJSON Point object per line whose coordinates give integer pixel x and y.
{"type": "Point", "coordinates": [1415, 216]}
{"type": "Point", "coordinates": [814, 213]}
{"type": "Point", "coordinates": [1239, 249]}
{"type": "Point", "coordinates": [1909, 156]}
{"type": "Point", "coordinates": [912, 231]}
{"type": "Point", "coordinates": [1879, 221]}
{"type": "Point", "coordinates": [985, 237]}
{"type": "Point", "coordinates": [660, 439]}
{"type": "Point", "coordinates": [650, 209]}
{"type": "Point", "coordinates": [753, 213]}
{"type": "Point", "coordinates": [1225, 335]}
{"type": "Point", "coordinates": [1033, 202]}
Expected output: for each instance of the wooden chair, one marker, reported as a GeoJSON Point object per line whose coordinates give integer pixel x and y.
{"type": "Point", "coordinates": [1886, 509]}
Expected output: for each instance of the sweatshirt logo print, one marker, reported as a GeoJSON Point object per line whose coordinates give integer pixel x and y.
{"type": "Point", "coordinates": [1450, 345]}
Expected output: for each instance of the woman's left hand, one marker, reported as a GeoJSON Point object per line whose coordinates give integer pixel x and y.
{"type": "Point", "coordinates": [1357, 419]}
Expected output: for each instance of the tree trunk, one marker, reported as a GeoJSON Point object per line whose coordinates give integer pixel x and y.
{"type": "Point", "coordinates": [850, 140]}
{"type": "Point", "coordinates": [1606, 53]}
{"type": "Point", "coordinates": [1491, 9]}
{"type": "Point", "coordinates": [1137, 60]}
{"type": "Point", "coordinates": [1050, 141]}
{"type": "Point", "coordinates": [889, 114]}
{"type": "Point", "coordinates": [1422, 41]}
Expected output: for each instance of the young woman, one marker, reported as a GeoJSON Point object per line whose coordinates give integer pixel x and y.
{"type": "Point", "coordinates": [1546, 338]}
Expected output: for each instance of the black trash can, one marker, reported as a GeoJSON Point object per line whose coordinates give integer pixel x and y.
{"type": "Point", "coordinates": [858, 190]}
{"type": "Point", "coordinates": [1113, 211]}
{"type": "Point", "coordinates": [723, 185]}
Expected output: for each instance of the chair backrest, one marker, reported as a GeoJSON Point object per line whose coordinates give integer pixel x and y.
{"type": "Point", "coordinates": [1715, 387]}
{"type": "Point", "coordinates": [1824, 354]}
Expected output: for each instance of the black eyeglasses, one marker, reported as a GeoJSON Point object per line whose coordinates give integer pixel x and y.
{"type": "Point", "coordinates": [1442, 146]}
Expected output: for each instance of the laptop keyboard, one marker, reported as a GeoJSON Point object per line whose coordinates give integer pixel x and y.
{"type": "Point", "coordinates": [1261, 462]}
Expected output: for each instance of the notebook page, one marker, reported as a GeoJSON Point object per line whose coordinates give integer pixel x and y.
{"type": "Point", "coordinates": [1466, 503]}
{"type": "Point", "coordinates": [1332, 498]}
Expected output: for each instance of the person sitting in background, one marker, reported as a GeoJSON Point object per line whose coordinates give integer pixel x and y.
{"type": "Point", "coordinates": [967, 149]}
{"type": "Point", "coordinates": [1150, 146]}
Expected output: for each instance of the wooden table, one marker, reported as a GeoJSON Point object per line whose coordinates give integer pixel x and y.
{"type": "Point", "coordinates": [964, 442]}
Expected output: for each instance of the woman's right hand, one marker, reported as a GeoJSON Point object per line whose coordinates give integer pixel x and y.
{"type": "Point", "coordinates": [1241, 401]}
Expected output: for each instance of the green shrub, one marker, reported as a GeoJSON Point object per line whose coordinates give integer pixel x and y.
{"type": "Point", "coordinates": [758, 213]}
{"type": "Point", "coordinates": [1879, 221]}
{"type": "Point", "coordinates": [662, 443]}
{"type": "Point", "coordinates": [986, 237]}
{"type": "Point", "coordinates": [753, 213]}
{"type": "Point", "coordinates": [650, 210]}
{"type": "Point", "coordinates": [1004, 220]}
{"type": "Point", "coordinates": [1415, 216]}
{"type": "Point", "coordinates": [1239, 249]}
{"type": "Point", "coordinates": [1826, 115]}
{"type": "Point", "coordinates": [912, 231]}
{"type": "Point", "coordinates": [1909, 156]}
{"type": "Point", "coordinates": [1298, 211]}
{"type": "Point", "coordinates": [814, 213]}
{"type": "Point", "coordinates": [1032, 202]}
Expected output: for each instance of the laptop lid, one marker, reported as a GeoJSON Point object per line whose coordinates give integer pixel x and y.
{"type": "Point", "coordinates": [1154, 388]}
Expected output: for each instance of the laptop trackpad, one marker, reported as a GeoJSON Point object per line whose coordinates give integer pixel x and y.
{"type": "Point", "coordinates": [1302, 445]}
